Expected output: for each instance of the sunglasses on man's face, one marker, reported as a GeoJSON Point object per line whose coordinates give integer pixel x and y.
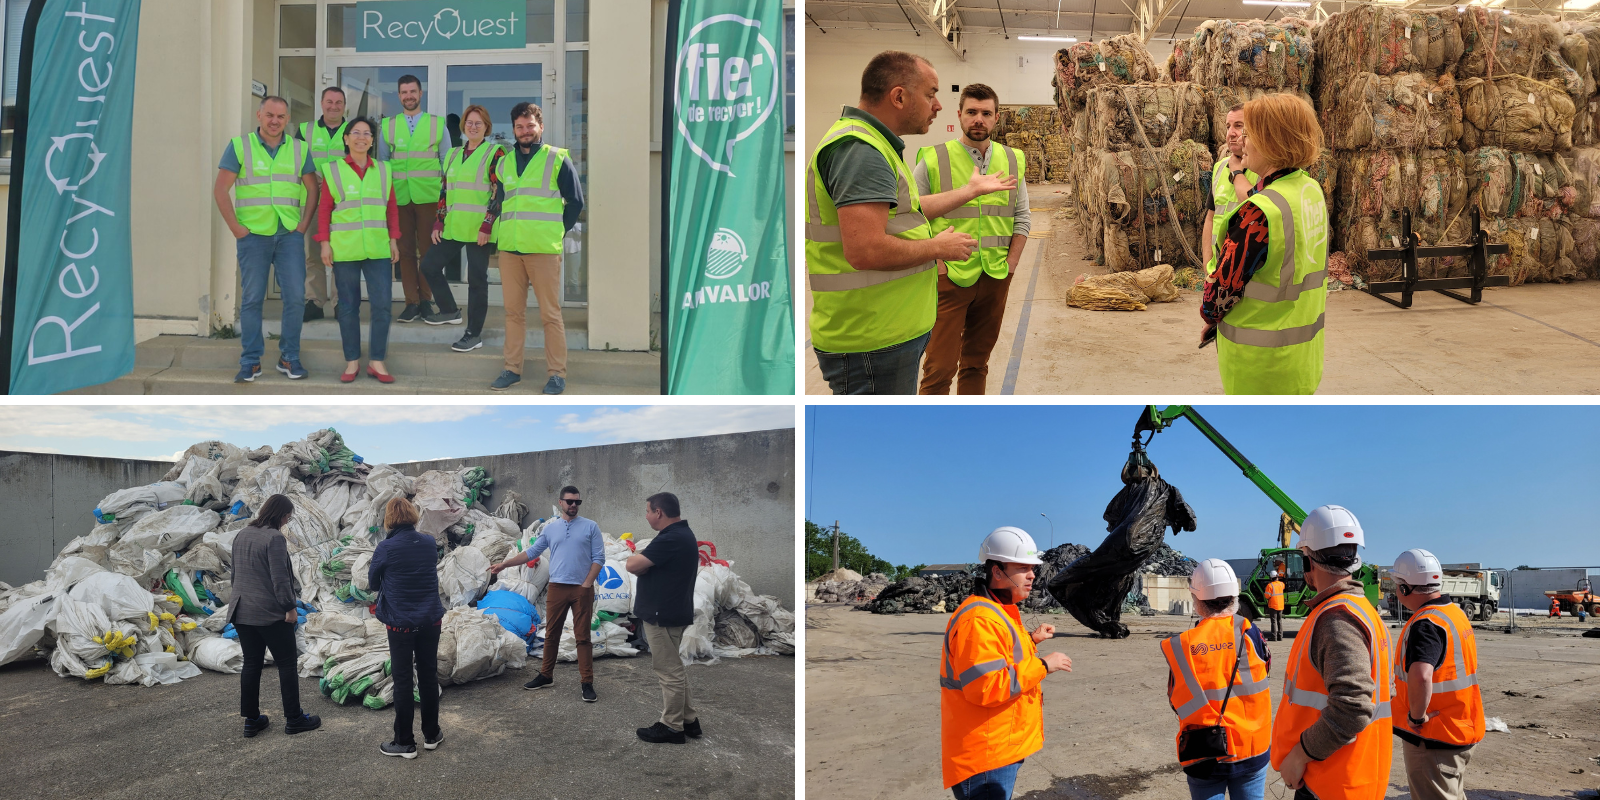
{"type": "Point", "coordinates": [570, 501]}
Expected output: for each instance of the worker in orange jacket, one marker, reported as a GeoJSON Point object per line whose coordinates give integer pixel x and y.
{"type": "Point", "coordinates": [1331, 738]}
{"type": "Point", "coordinates": [1275, 607]}
{"type": "Point", "coordinates": [1555, 608]}
{"type": "Point", "coordinates": [1217, 676]}
{"type": "Point", "coordinates": [1438, 706]}
{"type": "Point", "coordinates": [990, 703]}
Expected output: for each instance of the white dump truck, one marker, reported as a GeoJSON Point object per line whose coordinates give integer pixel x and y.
{"type": "Point", "coordinates": [1476, 590]}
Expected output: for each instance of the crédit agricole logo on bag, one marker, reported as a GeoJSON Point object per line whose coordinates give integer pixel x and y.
{"type": "Point", "coordinates": [728, 86]}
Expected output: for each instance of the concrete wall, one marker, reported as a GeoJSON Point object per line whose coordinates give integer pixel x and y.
{"type": "Point", "coordinates": [48, 500]}
{"type": "Point", "coordinates": [1528, 586]}
{"type": "Point", "coordinates": [736, 490]}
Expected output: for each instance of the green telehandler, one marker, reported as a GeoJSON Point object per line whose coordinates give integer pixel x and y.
{"type": "Point", "coordinates": [1288, 561]}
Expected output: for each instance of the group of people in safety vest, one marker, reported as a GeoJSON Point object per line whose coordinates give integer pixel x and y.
{"type": "Point", "coordinates": [1345, 691]}
{"type": "Point", "coordinates": [904, 261]}
{"type": "Point", "coordinates": [359, 197]}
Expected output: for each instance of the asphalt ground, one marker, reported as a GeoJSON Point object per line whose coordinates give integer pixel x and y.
{"type": "Point", "coordinates": [64, 737]}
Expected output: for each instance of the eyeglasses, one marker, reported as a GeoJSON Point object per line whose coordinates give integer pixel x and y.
{"type": "Point", "coordinates": [572, 502]}
{"type": "Point", "coordinates": [358, 134]}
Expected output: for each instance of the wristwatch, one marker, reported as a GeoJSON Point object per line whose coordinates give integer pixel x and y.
{"type": "Point", "coordinates": [1416, 722]}
{"type": "Point", "coordinates": [1235, 173]}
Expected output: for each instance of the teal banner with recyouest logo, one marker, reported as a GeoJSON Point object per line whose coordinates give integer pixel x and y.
{"type": "Point", "coordinates": [406, 25]}
{"type": "Point", "coordinates": [731, 321]}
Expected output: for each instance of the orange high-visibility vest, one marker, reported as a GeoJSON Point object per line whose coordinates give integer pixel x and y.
{"type": "Point", "coordinates": [1456, 696]}
{"type": "Point", "coordinates": [1360, 769]}
{"type": "Point", "coordinates": [991, 711]}
{"type": "Point", "coordinates": [1204, 657]}
{"type": "Point", "coordinates": [1275, 596]}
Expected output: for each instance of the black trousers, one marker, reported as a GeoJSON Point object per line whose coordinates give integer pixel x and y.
{"type": "Point", "coordinates": [256, 640]}
{"type": "Point", "coordinates": [1277, 624]}
{"type": "Point", "coordinates": [419, 648]}
{"type": "Point", "coordinates": [433, 265]}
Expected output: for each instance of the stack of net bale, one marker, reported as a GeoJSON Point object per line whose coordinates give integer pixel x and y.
{"type": "Point", "coordinates": [1391, 111]}
{"type": "Point", "coordinates": [1080, 68]}
{"type": "Point", "coordinates": [1240, 61]}
{"type": "Point", "coordinates": [1029, 129]}
{"type": "Point", "coordinates": [1131, 176]}
{"type": "Point", "coordinates": [1519, 100]}
{"type": "Point", "coordinates": [1580, 47]}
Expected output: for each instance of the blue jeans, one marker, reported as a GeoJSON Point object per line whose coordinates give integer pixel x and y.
{"type": "Point", "coordinates": [1237, 786]}
{"type": "Point", "coordinates": [892, 370]}
{"type": "Point", "coordinates": [284, 254]}
{"type": "Point", "coordinates": [996, 784]}
{"type": "Point", "coordinates": [347, 284]}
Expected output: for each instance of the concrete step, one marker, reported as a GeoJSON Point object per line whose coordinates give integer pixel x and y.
{"type": "Point", "coordinates": [576, 322]}
{"type": "Point", "coordinates": [194, 365]}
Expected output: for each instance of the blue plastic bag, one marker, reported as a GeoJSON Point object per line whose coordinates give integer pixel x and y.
{"type": "Point", "coordinates": [513, 611]}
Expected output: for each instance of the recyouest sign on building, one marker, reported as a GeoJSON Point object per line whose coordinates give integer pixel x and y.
{"type": "Point", "coordinates": [387, 26]}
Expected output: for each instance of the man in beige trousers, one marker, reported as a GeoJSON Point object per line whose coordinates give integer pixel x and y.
{"type": "Point", "coordinates": [664, 602]}
{"type": "Point", "coordinates": [539, 200]}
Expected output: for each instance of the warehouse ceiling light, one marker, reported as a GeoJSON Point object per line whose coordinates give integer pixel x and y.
{"type": "Point", "coordinates": [1064, 38]}
{"type": "Point", "coordinates": [1580, 5]}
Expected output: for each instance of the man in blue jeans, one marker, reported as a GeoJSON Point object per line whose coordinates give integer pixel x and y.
{"type": "Point", "coordinates": [273, 180]}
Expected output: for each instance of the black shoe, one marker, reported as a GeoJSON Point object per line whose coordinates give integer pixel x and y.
{"type": "Point", "coordinates": [588, 693]}
{"type": "Point", "coordinates": [539, 682]}
{"type": "Point", "coordinates": [467, 343]}
{"type": "Point", "coordinates": [432, 744]}
{"type": "Point", "coordinates": [313, 311]}
{"type": "Point", "coordinates": [257, 725]}
{"type": "Point", "coordinates": [661, 734]}
{"type": "Point", "coordinates": [401, 750]}
{"type": "Point", "coordinates": [425, 309]}
{"type": "Point", "coordinates": [409, 313]}
{"type": "Point", "coordinates": [505, 381]}
{"type": "Point", "coordinates": [691, 728]}
{"type": "Point", "coordinates": [306, 722]}
{"type": "Point", "coordinates": [443, 318]}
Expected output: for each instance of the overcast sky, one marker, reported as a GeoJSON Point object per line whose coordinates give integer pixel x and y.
{"type": "Point", "coordinates": [1499, 485]}
{"type": "Point", "coordinates": [378, 433]}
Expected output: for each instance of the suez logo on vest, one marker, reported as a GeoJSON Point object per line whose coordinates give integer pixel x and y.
{"type": "Point", "coordinates": [85, 156]}
{"type": "Point", "coordinates": [1202, 648]}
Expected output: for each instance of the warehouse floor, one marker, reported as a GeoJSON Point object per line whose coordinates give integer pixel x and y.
{"type": "Point", "coordinates": [1532, 339]}
{"type": "Point", "coordinates": [872, 712]}
{"type": "Point", "coordinates": [74, 738]}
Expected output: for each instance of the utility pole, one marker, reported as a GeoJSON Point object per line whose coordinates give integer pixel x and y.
{"type": "Point", "coordinates": [836, 545]}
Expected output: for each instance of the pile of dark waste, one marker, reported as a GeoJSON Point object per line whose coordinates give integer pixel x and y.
{"type": "Point", "coordinates": [1095, 588]}
{"type": "Point", "coordinates": [1055, 559]}
{"type": "Point", "coordinates": [1170, 562]}
{"type": "Point", "coordinates": [936, 594]}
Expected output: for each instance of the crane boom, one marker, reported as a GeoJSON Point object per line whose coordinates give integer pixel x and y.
{"type": "Point", "coordinates": [1156, 420]}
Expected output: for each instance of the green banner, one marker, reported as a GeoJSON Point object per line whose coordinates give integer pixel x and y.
{"type": "Point", "coordinates": [731, 328]}
{"type": "Point", "coordinates": [69, 264]}
{"type": "Point", "coordinates": [406, 25]}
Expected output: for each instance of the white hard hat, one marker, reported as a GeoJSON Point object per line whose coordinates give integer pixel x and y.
{"type": "Point", "coordinates": [1009, 544]}
{"type": "Point", "coordinates": [1212, 579]}
{"type": "Point", "coordinates": [1272, 574]}
{"type": "Point", "coordinates": [1328, 526]}
{"type": "Point", "coordinates": [1417, 568]}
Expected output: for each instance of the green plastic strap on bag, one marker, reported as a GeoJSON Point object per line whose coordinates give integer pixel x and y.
{"type": "Point", "coordinates": [333, 567]}
{"type": "Point", "coordinates": [186, 593]}
{"type": "Point", "coordinates": [602, 616]}
{"type": "Point", "coordinates": [388, 665]}
{"type": "Point", "coordinates": [322, 686]}
{"type": "Point", "coordinates": [340, 695]}
{"type": "Point", "coordinates": [361, 686]}
{"type": "Point", "coordinates": [477, 481]}
{"type": "Point", "coordinates": [374, 702]}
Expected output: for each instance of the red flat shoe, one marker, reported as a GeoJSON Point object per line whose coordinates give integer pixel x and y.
{"type": "Point", "coordinates": [348, 377]}
{"type": "Point", "coordinates": [381, 377]}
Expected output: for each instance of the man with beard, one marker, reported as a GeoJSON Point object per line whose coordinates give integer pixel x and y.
{"type": "Point", "coordinates": [870, 252]}
{"type": "Point", "coordinates": [972, 292]}
{"type": "Point", "coordinates": [1230, 181]}
{"type": "Point", "coordinates": [533, 222]}
{"type": "Point", "coordinates": [411, 142]}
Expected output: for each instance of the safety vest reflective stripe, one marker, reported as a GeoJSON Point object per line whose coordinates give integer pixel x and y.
{"type": "Point", "coordinates": [358, 228]}
{"type": "Point", "coordinates": [325, 145]}
{"type": "Point", "coordinates": [1246, 686]}
{"type": "Point", "coordinates": [1286, 290]}
{"type": "Point", "coordinates": [979, 670]}
{"type": "Point", "coordinates": [355, 226]}
{"type": "Point", "coordinates": [902, 217]}
{"type": "Point", "coordinates": [1310, 698]}
{"type": "Point", "coordinates": [1260, 338]}
{"type": "Point", "coordinates": [1463, 679]}
{"type": "Point", "coordinates": [844, 281]}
